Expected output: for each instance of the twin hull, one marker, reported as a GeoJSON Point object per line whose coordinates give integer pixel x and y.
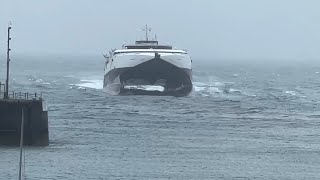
{"type": "Point", "coordinates": [131, 73]}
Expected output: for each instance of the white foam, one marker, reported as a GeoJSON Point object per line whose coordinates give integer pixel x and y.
{"type": "Point", "coordinates": [214, 90]}
{"type": "Point", "coordinates": [210, 87]}
{"type": "Point", "coordinates": [199, 88]}
{"type": "Point", "coordinates": [146, 87]}
{"type": "Point", "coordinates": [81, 88]}
{"type": "Point", "coordinates": [291, 93]}
{"type": "Point", "coordinates": [204, 95]}
{"type": "Point", "coordinates": [200, 84]}
{"type": "Point", "coordinates": [39, 80]}
{"type": "Point", "coordinates": [234, 90]}
{"type": "Point", "coordinates": [93, 84]}
{"type": "Point", "coordinates": [209, 84]}
{"type": "Point", "coordinates": [219, 84]}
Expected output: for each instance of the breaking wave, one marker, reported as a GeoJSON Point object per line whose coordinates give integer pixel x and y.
{"type": "Point", "coordinates": [146, 87]}
{"type": "Point", "coordinates": [215, 88]}
{"type": "Point", "coordinates": [93, 84]}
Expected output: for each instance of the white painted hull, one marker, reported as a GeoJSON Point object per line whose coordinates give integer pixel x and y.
{"type": "Point", "coordinates": [172, 67]}
{"type": "Point", "coordinates": [133, 59]}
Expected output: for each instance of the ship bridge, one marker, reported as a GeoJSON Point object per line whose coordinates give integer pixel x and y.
{"type": "Point", "coordinates": [147, 45]}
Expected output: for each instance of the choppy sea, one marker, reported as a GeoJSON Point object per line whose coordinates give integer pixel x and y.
{"type": "Point", "coordinates": [244, 120]}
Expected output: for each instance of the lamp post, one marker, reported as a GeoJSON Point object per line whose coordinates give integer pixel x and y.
{"type": "Point", "coordinates": [6, 95]}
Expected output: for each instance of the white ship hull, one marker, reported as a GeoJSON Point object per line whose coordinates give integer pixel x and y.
{"type": "Point", "coordinates": [131, 71]}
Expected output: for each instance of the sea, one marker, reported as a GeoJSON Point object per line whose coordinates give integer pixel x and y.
{"type": "Point", "coordinates": [245, 119]}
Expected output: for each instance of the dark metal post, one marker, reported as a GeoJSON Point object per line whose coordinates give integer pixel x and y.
{"type": "Point", "coordinates": [21, 143]}
{"type": "Point", "coordinates": [6, 95]}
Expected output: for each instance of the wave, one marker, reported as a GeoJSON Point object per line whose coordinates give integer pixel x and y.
{"type": "Point", "coordinates": [146, 87]}
{"type": "Point", "coordinates": [292, 93]}
{"type": "Point", "coordinates": [93, 84]}
{"type": "Point", "coordinates": [207, 89]}
{"type": "Point", "coordinates": [231, 90]}
{"type": "Point", "coordinates": [199, 88]}
{"type": "Point", "coordinates": [217, 88]}
{"type": "Point", "coordinates": [213, 90]}
{"type": "Point", "coordinates": [35, 79]}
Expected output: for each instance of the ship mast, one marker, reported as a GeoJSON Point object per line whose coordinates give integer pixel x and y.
{"type": "Point", "coordinates": [147, 29]}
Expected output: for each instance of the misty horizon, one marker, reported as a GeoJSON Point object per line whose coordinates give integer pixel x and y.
{"type": "Point", "coordinates": [246, 30]}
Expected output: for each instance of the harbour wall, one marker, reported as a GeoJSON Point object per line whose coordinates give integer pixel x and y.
{"type": "Point", "coordinates": [35, 114]}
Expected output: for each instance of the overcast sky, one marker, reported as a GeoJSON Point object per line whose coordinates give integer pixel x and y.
{"type": "Point", "coordinates": [228, 29]}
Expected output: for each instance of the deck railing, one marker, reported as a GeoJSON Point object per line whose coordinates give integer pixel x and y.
{"type": "Point", "coordinates": [19, 95]}
{"type": "Point", "coordinates": [2, 90]}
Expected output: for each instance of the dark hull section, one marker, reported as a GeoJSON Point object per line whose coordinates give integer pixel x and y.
{"type": "Point", "coordinates": [176, 81]}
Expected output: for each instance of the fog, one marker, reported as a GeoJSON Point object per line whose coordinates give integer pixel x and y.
{"type": "Point", "coordinates": [209, 29]}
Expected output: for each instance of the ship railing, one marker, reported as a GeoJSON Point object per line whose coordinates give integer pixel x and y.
{"type": "Point", "coordinates": [19, 95]}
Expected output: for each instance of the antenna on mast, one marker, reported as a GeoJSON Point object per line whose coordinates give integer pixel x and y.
{"type": "Point", "coordinates": [6, 95]}
{"type": "Point", "coordinates": [147, 29]}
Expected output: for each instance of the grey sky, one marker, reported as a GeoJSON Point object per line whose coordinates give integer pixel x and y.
{"type": "Point", "coordinates": [227, 29]}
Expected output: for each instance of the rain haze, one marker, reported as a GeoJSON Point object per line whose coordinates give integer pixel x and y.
{"type": "Point", "coordinates": [215, 29]}
{"type": "Point", "coordinates": [241, 103]}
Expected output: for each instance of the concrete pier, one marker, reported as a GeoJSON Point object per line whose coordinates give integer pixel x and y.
{"type": "Point", "coordinates": [35, 120]}
{"type": "Point", "coordinates": [13, 106]}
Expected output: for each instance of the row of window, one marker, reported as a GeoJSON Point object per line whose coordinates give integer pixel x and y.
{"type": "Point", "coordinates": [137, 52]}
